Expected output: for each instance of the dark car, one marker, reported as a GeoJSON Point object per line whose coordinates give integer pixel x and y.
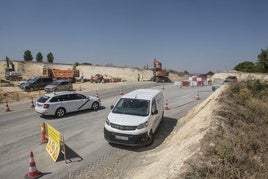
{"type": "Point", "coordinates": [37, 83]}
{"type": "Point", "coordinates": [59, 85]}
{"type": "Point", "coordinates": [230, 79]}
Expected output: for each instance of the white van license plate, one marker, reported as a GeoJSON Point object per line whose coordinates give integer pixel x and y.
{"type": "Point", "coordinates": [121, 137]}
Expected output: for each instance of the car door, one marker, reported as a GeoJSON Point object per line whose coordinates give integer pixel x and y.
{"type": "Point", "coordinates": [67, 103]}
{"type": "Point", "coordinates": [153, 115]}
{"type": "Point", "coordinates": [38, 83]}
{"type": "Point", "coordinates": [80, 102]}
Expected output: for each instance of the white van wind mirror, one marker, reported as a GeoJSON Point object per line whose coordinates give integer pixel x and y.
{"type": "Point", "coordinates": [155, 112]}
{"type": "Point", "coordinates": [112, 106]}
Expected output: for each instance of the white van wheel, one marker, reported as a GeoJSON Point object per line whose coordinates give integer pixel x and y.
{"type": "Point", "coordinates": [150, 138]}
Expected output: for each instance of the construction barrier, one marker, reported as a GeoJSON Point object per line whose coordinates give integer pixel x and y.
{"type": "Point", "coordinates": [114, 80]}
{"type": "Point", "coordinates": [55, 144]}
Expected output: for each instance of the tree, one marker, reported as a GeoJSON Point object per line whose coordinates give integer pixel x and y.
{"type": "Point", "coordinates": [210, 73]}
{"type": "Point", "coordinates": [39, 57]}
{"type": "Point", "coordinates": [186, 72]}
{"type": "Point", "coordinates": [50, 58]}
{"type": "Point", "coordinates": [246, 66]}
{"type": "Point", "coordinates": [75, 65]}
{"type": "Point", "coordinates": [28, 56]}
{"type": "Point", "coordinates": [262, 62]}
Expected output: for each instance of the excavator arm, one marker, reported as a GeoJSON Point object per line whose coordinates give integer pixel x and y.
{"type": "Point", "coordinates": [157, 65]}
{"type": "Point", "coordinates": [10, 64]}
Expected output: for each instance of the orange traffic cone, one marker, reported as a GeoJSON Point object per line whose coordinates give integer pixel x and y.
{"type": "Point", "coordinates": [166, 105]}
{"type": "Point", "coordinates": [97, 95]}
{"type": "Point", "coordinates": [121, 91]}
{"type": "Point", "coordinates": [33, 172]}
{"type": "Point", "coordinates": [7, 108]}
{"type": "Point", "coordinates": [43, 130]}
{"type": "Point", "coordinates": [32, 103]}
{"type": "Point", "coordinates": [197, 96]}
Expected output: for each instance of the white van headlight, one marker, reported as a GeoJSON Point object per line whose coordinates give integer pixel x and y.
{"type": "Point", "coordinates": [143, 125]}
{"type": "Point", "coordinates": [108, 122]}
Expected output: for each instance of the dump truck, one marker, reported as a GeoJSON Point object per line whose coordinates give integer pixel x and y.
{"type": "Point", "coordinates": [10, 73]}
{"type": "Point", "coordinates": [159, 75]}
{"type": "Point", "coordinates": [61, 74]}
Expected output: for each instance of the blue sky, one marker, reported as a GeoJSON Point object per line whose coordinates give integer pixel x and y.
{"type": "Point", "coordinates": [193, 35]}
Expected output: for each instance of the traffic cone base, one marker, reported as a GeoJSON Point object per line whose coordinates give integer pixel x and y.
{"type": "Point", "coordinates": [7, 107]}
{"type": "Point", "coordinates": [166, 105]}
{"type": "Point", "coordinates": [32, 103]}
{"type": "Point", "coordinates": [33, 172]}
{"type": "Point", "coordinates": [43, 130]}
{"type": "Point", "coordinates": [197, 96]}
{"type": "Point", "coordinates": [121, 91]}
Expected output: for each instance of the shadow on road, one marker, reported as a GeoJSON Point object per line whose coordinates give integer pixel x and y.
{"type": "Point", "coordinates": [71, 155]}
{"type": "Point", "coordinates": [185, 104]}
{"type": "Point", "coordinates": [72, 114]}
{"type": "Point", "coordinates": [165, 128]}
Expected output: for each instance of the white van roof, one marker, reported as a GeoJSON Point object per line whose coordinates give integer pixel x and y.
{"type": "Point", "coordinates": [146, 94]}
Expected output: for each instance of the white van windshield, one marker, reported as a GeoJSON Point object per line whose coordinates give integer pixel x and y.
{"type": "Point", "coordinates": [137, 107]}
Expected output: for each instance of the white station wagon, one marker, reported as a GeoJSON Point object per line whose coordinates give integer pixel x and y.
{"type": "Point", "coordinates": [60, 103]}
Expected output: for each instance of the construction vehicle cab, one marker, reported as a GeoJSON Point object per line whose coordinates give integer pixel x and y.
{"type": "Point", "coordinates": [159, 75]}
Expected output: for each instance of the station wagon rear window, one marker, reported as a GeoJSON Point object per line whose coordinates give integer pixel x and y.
{"type": "Point", "coordinates": [43, 99]}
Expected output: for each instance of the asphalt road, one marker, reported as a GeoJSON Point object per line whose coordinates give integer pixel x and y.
{"type": "Point", "coordinates": [88, 154]}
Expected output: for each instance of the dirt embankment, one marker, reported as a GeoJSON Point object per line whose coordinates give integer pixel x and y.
{"type": "Point", "coordinates": [181, 145]}
{"type": "Point", "coordinates": [32, 69]}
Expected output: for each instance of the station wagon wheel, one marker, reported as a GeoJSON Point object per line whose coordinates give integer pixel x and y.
{"type": "Point", "coordinates": [95, 106]}
{"type": "Point", "coordinates": [60, 112]}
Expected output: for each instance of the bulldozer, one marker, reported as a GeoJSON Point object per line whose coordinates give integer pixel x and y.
{"type": "Point", "coordinates": [159, 75]}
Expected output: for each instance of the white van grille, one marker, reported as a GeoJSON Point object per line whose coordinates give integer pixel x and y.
{"type": "Point", "coordinates": [123, 128]}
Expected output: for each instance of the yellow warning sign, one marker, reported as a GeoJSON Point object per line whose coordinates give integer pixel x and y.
{"type": "Point", "coordinates": [53, 145]}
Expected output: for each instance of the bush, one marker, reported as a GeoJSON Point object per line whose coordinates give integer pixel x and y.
{"type": "Point", "coordinates": [240, 145]}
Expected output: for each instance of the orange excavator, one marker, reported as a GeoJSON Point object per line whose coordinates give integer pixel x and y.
{"type": "Point", "coordinates": [159, 75]}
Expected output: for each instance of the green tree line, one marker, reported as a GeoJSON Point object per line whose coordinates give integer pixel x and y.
{"type": "Point", "coordinates": [261, 65]}
{"type": "Point", "coordinates": [39, 57]}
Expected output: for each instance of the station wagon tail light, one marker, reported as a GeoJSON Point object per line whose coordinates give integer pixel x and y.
{"type": "Point", "coordinates": [143, 125]}
{"type": "Point", "coordinates": [46, 106]}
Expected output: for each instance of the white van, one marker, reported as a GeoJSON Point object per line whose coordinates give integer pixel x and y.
{"type": "Point", "coordinates": [135, 117]}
